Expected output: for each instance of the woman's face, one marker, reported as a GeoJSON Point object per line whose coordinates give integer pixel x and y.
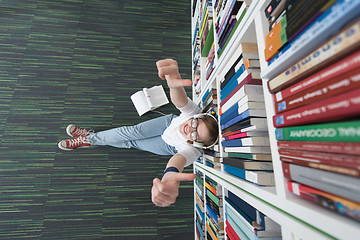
{"type": "Point", "coordinates": [203, 133]}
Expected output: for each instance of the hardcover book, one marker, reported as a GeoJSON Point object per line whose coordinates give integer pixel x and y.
{"type": "Point", "coordinates": [332, 202]}
{"type": "Point", "coordinates": [338, 184]}
{"type": "Point", "coordinates": [338, 107]}
{"type": "Point", "coordinates": [336, 47]}
{"type": "Point", "coordinates": [330, 147]}
{"type": "Point", "coordinates": [348, 131]}
{"type": "Point", "coordinates": [149, 99]}
{"type": "Point", "coordinates": [263, 178]}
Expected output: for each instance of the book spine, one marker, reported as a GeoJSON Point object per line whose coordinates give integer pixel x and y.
{"type": "Point", "coordinates": [258, 177]}
{"type": "Point", "coordinates": [241, 93]}
{"type": "Point", "coordinates": [247, 80]}
{"type": "Point", "coordinates": [325, 110]}
{"type": "Point", "coordinates": [341, 84]}
{"type": "Point", "coordinates": [325, 132]}
{"type": "Point", "coordinates": [322, 166]}
{"type": "Point", "coordinates": [330, 147]}
{"type": "Point", "coordinates": [332, 202]}
{"type": "Point", "coordinates": [338, 184]}
{"type": "Point", "coordinates": [345, 65]}
{"type": "Point", "coordinates": [346, 41]}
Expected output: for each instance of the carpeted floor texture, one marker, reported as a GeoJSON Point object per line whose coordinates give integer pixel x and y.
{"type": "Point", "coordinates": [78, 61]}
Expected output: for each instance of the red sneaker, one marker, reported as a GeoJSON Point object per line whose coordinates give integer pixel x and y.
{"type": "Point", "coordinates": [75, 131]}
{"type": "Point", "coordinates": [71, 144]}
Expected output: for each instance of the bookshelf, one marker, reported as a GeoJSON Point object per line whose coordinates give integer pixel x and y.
{"type": "Point", "coordinates": [296, 217]}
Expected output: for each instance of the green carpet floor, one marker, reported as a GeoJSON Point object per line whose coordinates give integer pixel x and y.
{"type": "Point", "coordinates": [78, 61]}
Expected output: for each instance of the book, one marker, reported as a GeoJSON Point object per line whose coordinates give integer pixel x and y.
{"type": "Point", "coordinates": [241, 93]}
{"type": "Point", "coordinates": [250, 213]}
{"type": "Point", "coordinates": [243, 52]}
{"type": "Point", "coordinates": [247, 164]}
{"type": "Point", "coordinates": [249, 124]}
{"type": "Point", "coordinates": [332, 202]}
{"type": "Point", "coordinates": [336, 47]}
{"type": "Point", "coordinates": [247, 141]}
{"type": "Point", "coordinates": [246, 114]}
{"type": "Point", "coordinates": [252, 232]}
{"type": "Point", "coordinates": [237, 109]}
{"type": "Point", "coordinates": [338, 184]}
{"type": "Point", "coordinates": [338, 163]}
{"type": "Point", "coordinates": [346, 131]}
{"type": "Point", "coordinates": [348, 104]}
{"type": "Point", "coordinates": [240, 15]}
{"type": "Point", "coordinates": [260, 157]}
{"type": "Point", "coordinates": [262, 178]}
{"type": "Point", "coordinates": [240, 79]}
{"type": "Point", "coordinates": [332, 87]}
{"type": "Point", "coordinates": [247, 134]}
{"type": "Point", "coordinates": [330, 147]}
{"type": "Point", "coordinates": [242, 101]}
{"type": "Point", "coordinates": [250, 149]}
{"type": "Point", "coordinates": [231, 232]}
{"type": "Point", "coordinates": [149, 99]}
{"type": "Point", "coordinates": [340, 67]}
{"type": "Point", "coordinates": [239, 68]}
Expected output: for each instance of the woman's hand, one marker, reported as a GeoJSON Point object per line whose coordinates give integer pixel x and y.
{"type": "Point", "coordinates": [165, 192]}
{"type": "Point", "coordinates": [168, 70]}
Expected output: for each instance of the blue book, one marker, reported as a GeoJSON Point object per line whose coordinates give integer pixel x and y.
{"type": "Point", "coordinates": [232, 83]}
{"type": "Point", "coordinates": [212, 215]}
{"type": "Point", "coordinates": [250, 211]}
{"type": "Point", "coordinates": [239, 231]}
{"type": "Point", "coordinates": [265, 178]}
{"type": "Point", "coordinates": [246, 114]}
{"type": "Point", "coordinates": [326, 25]}
{"type": "Point", "coordinates": [243, 214]}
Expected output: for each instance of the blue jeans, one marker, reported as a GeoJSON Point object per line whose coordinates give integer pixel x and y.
{"type": "Point", "coordinates": [144, 136]}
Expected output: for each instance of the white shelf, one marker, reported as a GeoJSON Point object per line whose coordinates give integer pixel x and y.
{"type": "Point", "coordinates": [298, 218]}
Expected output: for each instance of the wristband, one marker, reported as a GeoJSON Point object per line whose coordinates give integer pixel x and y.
{"type": "Point", "coordinates": [170, 169]}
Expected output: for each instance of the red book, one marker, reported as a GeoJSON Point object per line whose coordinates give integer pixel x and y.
{"type": "Point", "coordinates": [330, 147]}
{"type": "Point", "coordinates": [332, 87]}
{"type": "Point", "coordinates": [232, 133]}
{"type": "Point", "coordinates": [338, 163]}
{"type": "Point", "coordinates": [330, 201]}
{"type": "Point", "coordinates": [334, 108]}
{"type": "Point", "coordinates": [247, 80]}
{"type": "Point", "coordinates": [345, 65]}
{"type": "Point", "coordinates": [232, 232]}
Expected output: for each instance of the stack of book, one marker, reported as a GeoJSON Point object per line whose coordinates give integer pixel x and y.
{"type": "Point", "coordinates": [214, 209]}
{"type": "Point", "coordinates": [287, 18]}
{"type": "Point", "coordinates": [243, 221]}
{"type": "Point", "coordinates": [199, 205]}
{"type": "Point", "coordinates": [212, 159]}
{"type": "Point", "coordinates": [243, 119]}
{"type": "Point", "coordinates": [317, 105]}
{"type": "Point", "coordinates": [228, 17]}
{"type": "Point", "coordinates": [209, 101]}
{"type": "Point", "coordinates": [206, 27]}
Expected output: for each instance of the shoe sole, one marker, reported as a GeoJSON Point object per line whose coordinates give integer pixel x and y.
{"type": "Point", "coordinates": [68, 130]}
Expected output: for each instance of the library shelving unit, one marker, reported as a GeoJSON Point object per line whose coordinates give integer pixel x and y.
{"type": "Point", "coordinates": [297, 218]}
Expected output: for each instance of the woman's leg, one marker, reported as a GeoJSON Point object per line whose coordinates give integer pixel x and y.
{"type": "Point", "coordinates": [132, 136]}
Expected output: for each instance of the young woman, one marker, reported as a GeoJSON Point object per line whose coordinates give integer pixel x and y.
{"type": "Point", "coordinates": [181, 136]}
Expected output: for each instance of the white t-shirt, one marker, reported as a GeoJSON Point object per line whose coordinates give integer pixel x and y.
{"type": "Point", "coordinates": [173, 137]}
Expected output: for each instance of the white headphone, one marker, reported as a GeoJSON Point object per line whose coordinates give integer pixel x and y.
{"type": "Point", "coordinates": [201, 145]}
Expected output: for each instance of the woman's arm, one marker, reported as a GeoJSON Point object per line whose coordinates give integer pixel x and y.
{"type": "Point", "coordinates": [165, 191]}
{"type": "Point", "coordinates": [168, 70]}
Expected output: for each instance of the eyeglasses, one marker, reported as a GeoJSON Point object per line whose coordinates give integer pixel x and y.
{"type": "Point", "coordinates": [194, 125]}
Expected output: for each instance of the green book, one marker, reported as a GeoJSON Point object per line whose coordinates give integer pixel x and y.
{"type": "Point", "coordinates": [348, 131]}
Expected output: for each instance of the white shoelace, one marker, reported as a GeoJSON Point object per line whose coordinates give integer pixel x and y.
{"type": "Point", "coordinates": [78, 141]}
{"type": "Point", "coordinates": [83, 131]}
